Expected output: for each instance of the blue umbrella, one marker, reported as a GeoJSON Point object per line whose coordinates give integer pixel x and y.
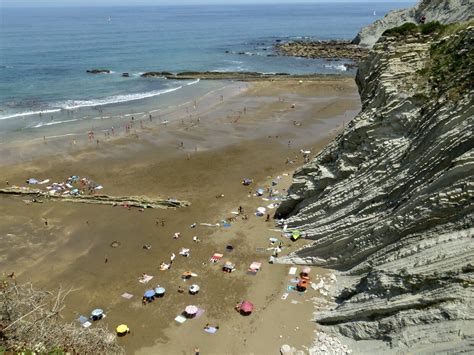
{"type": "Point", "coordinates": [97, 312]}
{"type": "Point", "coordinates": [149, 293]}
{"type": "Point", "coordinates": [160, 290]}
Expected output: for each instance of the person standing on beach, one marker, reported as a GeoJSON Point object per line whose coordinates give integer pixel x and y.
{"type": "Point", "coordinates": [45, 222]}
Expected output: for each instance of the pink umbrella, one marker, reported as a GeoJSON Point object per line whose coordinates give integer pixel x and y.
{"type": "Point", "coordinates": [191, 310]}
{"type": "Point", "coordinates": [306, 270]}
{"type": "Point", "coordinates": [246, 307]}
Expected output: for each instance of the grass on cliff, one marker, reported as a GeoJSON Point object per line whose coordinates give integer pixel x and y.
{"type": "Point", "coordinates": [410, 28]}
{"type": "Point", "coordinates": [450, 69]}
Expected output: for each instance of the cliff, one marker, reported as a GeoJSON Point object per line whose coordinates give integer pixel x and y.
{"type": "Point", "coordinates": [389, 203]}
{"type": "Point", "coordinates": [443, 11]}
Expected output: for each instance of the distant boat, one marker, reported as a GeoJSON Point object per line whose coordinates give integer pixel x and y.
{"type": "Point", "coordinates": [375, 14]}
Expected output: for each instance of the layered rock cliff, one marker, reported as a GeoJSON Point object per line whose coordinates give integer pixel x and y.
{"type": "Point", "coordinates": [390, 202]}
{"type": "Point", "coordinates": [444, 11]}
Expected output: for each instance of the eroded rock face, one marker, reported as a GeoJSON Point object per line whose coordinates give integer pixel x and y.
{"type": "Point", "coordinates": [444, 11]}
{"type": "Point", "coordinates": [390, 202]}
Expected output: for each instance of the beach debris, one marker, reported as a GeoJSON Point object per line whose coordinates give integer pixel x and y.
{"type": "Point", "coordinates": [216, 257]}
{"type": "Point", "coordinates": [115, 244]}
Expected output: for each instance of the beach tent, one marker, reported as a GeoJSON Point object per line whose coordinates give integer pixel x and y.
{"type": "Point", "coordinates": [160, 291]}
{"type": "Point", "coordinates": [149, 295]}
{"type": "Point", "coordinates": [122, 329]}
{"type": "Point", "coordinates": [193, 289]}
{"type": "Point", "coordinates": [246, 307]}
{"type": "Point", "coordinates": [295, 235]}
{"type": "Point", "coordinates": [228, 267]}
{"type": "Point", "coordinates": [97, 314]}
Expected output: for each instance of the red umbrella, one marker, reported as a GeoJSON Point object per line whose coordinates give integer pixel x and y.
{"type": "Point", "coordinates": [246, 307]}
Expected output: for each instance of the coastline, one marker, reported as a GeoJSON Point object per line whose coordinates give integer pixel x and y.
{"type": "Point", "coordinates": [217, 153]}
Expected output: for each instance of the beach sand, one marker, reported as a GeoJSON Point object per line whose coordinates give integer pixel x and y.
{"type": "Point", "coordinates": [226, 145]}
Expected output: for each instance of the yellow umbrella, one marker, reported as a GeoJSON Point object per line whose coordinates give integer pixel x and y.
{"type": "Point", "coordinates": [122, 328]}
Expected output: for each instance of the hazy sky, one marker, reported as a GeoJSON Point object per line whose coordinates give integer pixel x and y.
{"type": "Point", "coordinates": [41, 3]}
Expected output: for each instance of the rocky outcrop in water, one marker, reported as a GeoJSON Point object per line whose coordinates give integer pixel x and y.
{"type": "Point", "coordinates": [444, 11]}
{"type": "Point", "coordinates": [98, 71]}
{"type": "Point", "coordinates": [390, 202]}
{"type": "Point", "coordinates": [331, 50]}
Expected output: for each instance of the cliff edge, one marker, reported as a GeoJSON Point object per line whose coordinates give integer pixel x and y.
{"type": "Point", "coordinates": [443, 11]}
{"type": "Point", "coordinates": [390, 202]}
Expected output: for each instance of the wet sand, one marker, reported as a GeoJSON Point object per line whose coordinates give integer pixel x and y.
{"type": "Point", "coordinates": [226, 145]}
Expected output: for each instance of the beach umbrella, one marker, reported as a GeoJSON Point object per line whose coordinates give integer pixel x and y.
{"type": "Point", "coordinates": [160, 290]}
{"type": "Point", "coordinates": [246, 307]}
{"type": "Point", "coordinates": [261, 209]}
{"type": "Point", "coordinates": [149, 293]}
{"type": "Point", "coordinates": [122, 329]}
{"type": "Point", "coordinates": [191, 310]}
{"type": "Point", "coordinates": [194, 288]}
{"type": "Point", "coordinates": [260, 192]}
{"type": "Point", "coordinates": [97, 312]}
{"type": "Point", "coordinates": [186, 274]}
{"type": "Point", "coordinates": [296, 233]}
{"type": "Point", "coordinates": [306, 270]}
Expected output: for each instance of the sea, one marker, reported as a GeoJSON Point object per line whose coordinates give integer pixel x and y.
{"type": "Point", "coordinates": [45, 53]}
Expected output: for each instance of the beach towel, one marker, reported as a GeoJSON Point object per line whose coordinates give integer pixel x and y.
{"type": "Point", "coordinates": [291, 288]}
{"type": "Point", "coordinates": [144, 279]}
{"type": "Point", "coordinates": [216, 257]}
{"type": "Point", "coordinates": [199, 313]}
{"type": "Point", "coordinates": [292, 271]}
{"type": "Point", "coordinates": [255, 266]}
{"type": "Point", "coordinates": [210, 330]}
{"type": "Point", "coordinates": [180, 319]}
{"type": "Point", "coordinates": [127, 295]}
{"type": "Point", "coordinates": [82, 319]}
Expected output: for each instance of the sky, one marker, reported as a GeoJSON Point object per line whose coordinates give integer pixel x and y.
{"type": "Point", "coordinates": [44, 3]}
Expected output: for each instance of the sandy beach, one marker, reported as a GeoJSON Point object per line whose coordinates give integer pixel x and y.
{"type": "Point", "coordinates": [254, 130]}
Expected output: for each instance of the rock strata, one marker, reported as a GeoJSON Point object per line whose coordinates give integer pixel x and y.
{"type": "Point", "coordinates": [444, 11]}
{"type": "Point", "coordinates": [390, 202]}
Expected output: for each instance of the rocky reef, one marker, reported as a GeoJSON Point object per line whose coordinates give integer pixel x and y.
{"type": "Point", "coordinates": [332, 50]}
{"type": "Point", "coordinates": [443, 11]}
{"type": "Point", "coordinates": [389, 203]}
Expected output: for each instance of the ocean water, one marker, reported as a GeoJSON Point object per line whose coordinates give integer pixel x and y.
{"type": "Point", "coordinates": [45, 52]}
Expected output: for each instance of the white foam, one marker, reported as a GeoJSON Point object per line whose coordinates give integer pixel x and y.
{"type": "Point", "coordinates": [52, 123]}
{"type": "Point", "coordinates": [340, 67]}
{"type": "Point", "coordinates": [28, 113]}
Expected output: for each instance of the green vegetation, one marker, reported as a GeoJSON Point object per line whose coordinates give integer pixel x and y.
{"type": "Point", "coordinates": [410, 28]}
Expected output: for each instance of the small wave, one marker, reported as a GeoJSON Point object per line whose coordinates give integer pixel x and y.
{"type": "Point", "coordinates": [73, 104]}
{"type": "Point", "coordinates": [193, 82]}
{"type": "Point", "coordinates": [52, 123]}
{"type": "Point", "coordinates": [28, 113]}
{"type": "Point", "coordinates": [340, 67]}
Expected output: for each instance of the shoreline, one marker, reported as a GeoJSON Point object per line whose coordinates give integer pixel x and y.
{"type": "Point", "coordinates": [226, 146]}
